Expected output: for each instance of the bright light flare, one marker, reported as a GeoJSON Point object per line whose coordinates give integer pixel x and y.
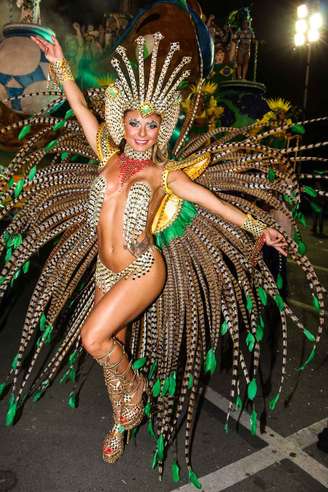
{"type": "Point", "coordinates": [301, 26]}
{"type": "Point", "coordinates": [316, 21]}
{"type": "Point", "coordinates": [299, 39]}
{"type": "Point", "coordinates": [313, 35]}
{"type": "Point", "coordinates": [302, 11]}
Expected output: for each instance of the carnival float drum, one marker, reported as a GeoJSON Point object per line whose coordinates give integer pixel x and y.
{"type": "Point", "coordinates": [23, 67]}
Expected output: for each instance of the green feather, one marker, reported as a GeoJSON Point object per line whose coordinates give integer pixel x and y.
{"type": "Point", "coordinates": [279, 281]}
{"type": "Point", "coordinates": [239, 403]}
{"type": "Point", "coordinates": [274, 401]}
{"type": "Point", "coordinates": [252, 389]}
{"type": "Point", "coordinates": [11, 413]}
{"type": "Point", "coordinates": [309, 191]}
{"type": "Point", "coordinates": [173, 383]}
{"type": "Point", "coordinates": [72, 400]}
{"type": "Point", "coordinates": [19, 187]}
{"type": "Point", "coordinates": [152, 370]}
{"type": "Point", "coordinates": [24, 131]}
{"type": "Point", "coordinates": [64, 377]}
{"type": "Point", "coordinates": [259, 333]}
{"type": "Point", "coordinates": [210, 362]}
{"type": "Point", "coordinates": [43, 322]}
{"type": "Point", "coordinates": [47, 334]}
{"type": "Point", "coordinates": [157, 388]}
{"type": "Point", "coordinates": [37, 395]}
{"type": "Point", "coordinates": [58, 125]}
{"type": "Point", "coordinates": [271, 174]}
{"type": "Point", "coordinates": [73, 358]}
{"type": "Point", "coordinates": [316, 303]}
{"type": "Point", "coordinates": [224, 327]}
{"type": "Point", "coordinates": [64, 155]}
{"type": "Point", "coordinates": [51, 145]}
{"type": "Point", "coordinates": [32, 173]}
{"type": "Point", "coordinates": [175, 469]}
{"type": "Point", "coordinates": [26, 266]}
{"type": "Point", "coordinates": [309, 359]}
{"type": "Point", "coordinates": [150, 429]}
{"type": "Point", "coordinates": [261, 321]}
{"type": "Point", "coordinates": [250, 341]}
{"type": "Point", "coordinates": [249, 303]}
{"type": "Point", "coordinates": [190, 381]}
{"type": "Point", "coordinates": [154, 461]}
{"type": "Point", "coordinates": [194, 479]}
{"type": "Point", "coordinates": [14, 362]}
{"type": "Point", "coordinates": [288, 199]}
{"type": "Point", "coordinates": [253, 422]}
{"type": "Point", "coordinates": [147, 409]}
{"type": "Point", "coordinates": [3, 387]}
{"type": "Point", "coordinates": [301, 248]}
{"type": "Point", "coordinates": [72, 374]}
{"type": "Point", "coordinates": [160, 447]}
{"type": "Point", "coordinates": [262, 295]}
{"type": "Point", "coordinates": [69, 113]}
{"type": "Point", "coordinates": [280, 302]}
{"type": "Point", "coordinates": [2, 280]}
{"type": "Point", "coordinates": [139, 363]}
{"type": "Point", "coordinates": [17, 240]}
{"type": "Point", "coordinates": [165, 386]}
{"type": "Point", "coordinates": [309, 335]}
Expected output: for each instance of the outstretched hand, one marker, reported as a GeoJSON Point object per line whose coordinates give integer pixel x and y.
{"type": "Point", "coordinates": [53, 51]}
{"type": "Point", "coordinates": [276, 240]}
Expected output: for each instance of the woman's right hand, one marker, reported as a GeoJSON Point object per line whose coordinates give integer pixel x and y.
{"type": "Point", "coordinates": [53, 51]}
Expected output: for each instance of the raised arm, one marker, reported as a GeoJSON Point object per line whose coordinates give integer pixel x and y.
{"type": "Point", "coordinates": [74, 95]}
{"type": "Point", "coordinates": [182, 186]}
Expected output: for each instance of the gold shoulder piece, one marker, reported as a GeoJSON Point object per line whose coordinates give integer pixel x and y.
{"type": "Point", "coordinates": [170, 206]}
{"type": "Point", "coordinates": [194, 166]}
{"type": "Point", "coordinates": [105, 146]}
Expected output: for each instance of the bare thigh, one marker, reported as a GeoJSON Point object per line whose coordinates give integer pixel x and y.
{"type": "Point", "coordinates": [123, 303]}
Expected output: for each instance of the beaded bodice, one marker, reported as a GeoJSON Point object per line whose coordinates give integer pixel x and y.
{"type": "Point", "coordinates": [135, 212]}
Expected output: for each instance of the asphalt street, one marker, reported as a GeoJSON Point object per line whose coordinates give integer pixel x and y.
{"type": "Point", "coordinates": [54, 448]}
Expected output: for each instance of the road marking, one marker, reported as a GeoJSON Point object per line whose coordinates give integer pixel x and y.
{"type": "Point", "coordinates": [278, 448]}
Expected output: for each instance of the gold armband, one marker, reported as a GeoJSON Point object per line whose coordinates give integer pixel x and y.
{"type": "Point", "coordinates": [253, 226]}
{"type": "Point", "coordinates": [166, 188]}
{"type": "Point", "coordinates": [60, 71]}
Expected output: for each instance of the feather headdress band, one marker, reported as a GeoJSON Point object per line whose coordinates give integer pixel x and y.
{"type": "Point", "coordinates": [159, 94]}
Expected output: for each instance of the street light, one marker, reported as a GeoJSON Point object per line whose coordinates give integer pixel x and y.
{"type": "Point", "coordinates": [307, 31]}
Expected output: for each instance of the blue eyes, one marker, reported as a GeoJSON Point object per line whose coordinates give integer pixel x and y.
{"type": "Point", "coordinates": [135, 123]}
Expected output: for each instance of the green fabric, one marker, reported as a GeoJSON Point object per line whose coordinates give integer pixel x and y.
{"type": "Point", "coordinates": [187, 214]}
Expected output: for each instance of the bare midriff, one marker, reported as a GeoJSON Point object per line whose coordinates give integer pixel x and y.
{"type": "Point", "coordinates": [112, 250]}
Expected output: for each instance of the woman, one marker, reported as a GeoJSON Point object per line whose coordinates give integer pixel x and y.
{"type": "Point", "coordinates": [132, 183]}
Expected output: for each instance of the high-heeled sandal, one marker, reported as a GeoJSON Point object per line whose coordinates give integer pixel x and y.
{"type": "Point", "coordinates": [113, 445]}
{"type": "Point", "coordinates": [132, 413]}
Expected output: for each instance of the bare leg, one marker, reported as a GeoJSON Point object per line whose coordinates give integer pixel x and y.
{"type": "Point", "coordinates": [112, 311]}
{"type": "Point", "coordinates": [121, 334]}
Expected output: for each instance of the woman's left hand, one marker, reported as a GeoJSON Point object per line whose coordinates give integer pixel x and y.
{"type": "Point", "coordinates": [276, 240]}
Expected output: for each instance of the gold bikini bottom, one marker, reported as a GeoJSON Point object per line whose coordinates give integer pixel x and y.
{"type": "Point", "coordinates": [106, 279]}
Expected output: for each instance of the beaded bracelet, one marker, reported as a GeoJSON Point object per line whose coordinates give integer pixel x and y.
{"type": "Point", "coordinates": [256, 228]}
{"type": "Point", "coordinates": [60, 71]}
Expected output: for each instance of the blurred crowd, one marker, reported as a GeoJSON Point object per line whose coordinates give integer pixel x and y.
{"type": "Point", "coordinates": [232, 44]}
{"type": "Point", "coordinates": [91, 40]}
